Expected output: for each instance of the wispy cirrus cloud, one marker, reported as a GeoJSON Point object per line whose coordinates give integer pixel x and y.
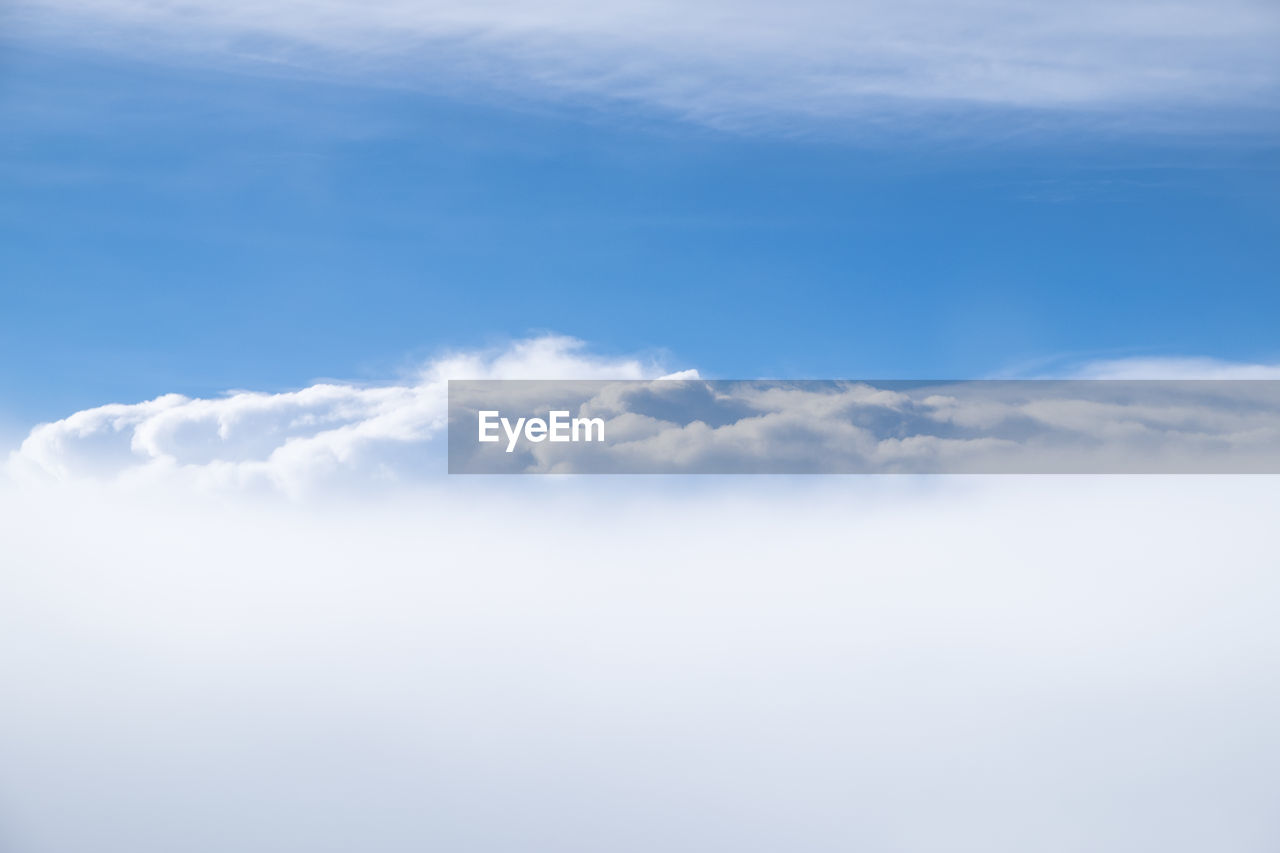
{"type": "Point", "coordinates": [1176, 368]}
{"type": "Point", "coordinates": [741, 64]}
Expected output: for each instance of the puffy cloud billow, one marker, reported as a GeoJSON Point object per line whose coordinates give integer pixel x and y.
{"type": "Point", "coordinates": [290, 441]}
{"type": "Point", "coordinates": [834, 426]}
{"type": "Point", "coordinates": [330, 435]}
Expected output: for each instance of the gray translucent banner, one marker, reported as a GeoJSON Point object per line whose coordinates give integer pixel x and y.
{"type": "Point", "coordinates": [699, 426]}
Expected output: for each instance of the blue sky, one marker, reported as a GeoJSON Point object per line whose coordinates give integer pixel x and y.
{"type": "Point", "coordinates": [194, 226]}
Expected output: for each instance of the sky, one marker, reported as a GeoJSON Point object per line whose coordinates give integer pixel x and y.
{"type": "Point", "coordinates": [182, 215]}
{"type": "Point", "coordinates": [244, 247]}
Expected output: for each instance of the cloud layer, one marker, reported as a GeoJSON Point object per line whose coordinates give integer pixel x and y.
{"type": "Point", "coordinates": [333, 434]}
{"type": "Point", "coordinates": [703, 426]}
{"type": "Point", "coordinates": [1005, 665]}
{"type": "Point", "coordinates": [736, 63]}
{"type": "Point", "coordinates": [626, 664]}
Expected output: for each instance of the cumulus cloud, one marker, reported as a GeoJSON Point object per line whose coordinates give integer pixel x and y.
{"type": "Point", "coordinates": [287, 441]}
{"type": "Point", "coordinates": [827, 426]}
{"type": "Point", "coordinates": [736, 63]}
{"type": "Point", "coordinates": [331, 434]}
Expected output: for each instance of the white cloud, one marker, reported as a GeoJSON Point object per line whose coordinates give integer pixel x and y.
{"type": "Point", "coordinates": [290, 440]}
{"type": "Point", "coordinates": [743, 62]}
{"type": "Point", "coordinates": [624, 664]}
{"type": "Point", "coordinates": [1175, 368]}
{"type": "Point", "coordinates": [1001, 664]}
{"type": "Point", "coordinates": [330, 435]}
{"type": "Point", "coordinates": [1019, 426]}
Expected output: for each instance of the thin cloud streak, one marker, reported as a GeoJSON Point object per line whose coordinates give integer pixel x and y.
{"type": "Point", "coordinates": [739, 64]}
